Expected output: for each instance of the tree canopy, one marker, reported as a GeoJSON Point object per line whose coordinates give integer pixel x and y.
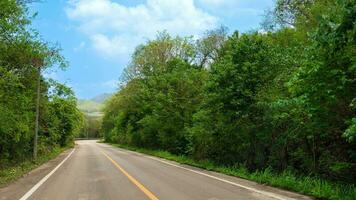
{"type": "Point", "coordinates": [282, 98]}
{"type": "Point", "coordinates": [21, 53]}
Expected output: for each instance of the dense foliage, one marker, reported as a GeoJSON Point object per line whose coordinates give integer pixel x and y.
{"type": "Point", "coordinates": [91, 127]}
{"type": "Point", "coordinates": [21, 53]}
{"type": "Point", "coordinates": [283, 99]}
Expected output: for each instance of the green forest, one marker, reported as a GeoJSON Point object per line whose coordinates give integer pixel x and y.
{"type": "Point", "coordinates": [278, 100]}
{"type": "Point", "coordinates": [276, 105]}
{"type": "Point", "coordinates": [22, 53]}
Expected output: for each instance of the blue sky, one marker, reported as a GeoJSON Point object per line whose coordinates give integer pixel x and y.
{"type": "Point", "coordinates": [98, 36]}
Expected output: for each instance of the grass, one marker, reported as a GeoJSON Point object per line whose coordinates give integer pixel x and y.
{"type": "Point", "coordinates": [12, 172]}
{"type": "Point", "coordinates": [316, 187]}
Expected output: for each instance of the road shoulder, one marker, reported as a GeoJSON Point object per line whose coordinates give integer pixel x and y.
{"type": "Point", "coordinates": [251, 185]}
{"type": "Point", "coordinates": [19, 187]}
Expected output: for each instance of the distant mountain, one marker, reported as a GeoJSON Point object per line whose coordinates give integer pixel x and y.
{"type": "Point", "coordinates": [89, 106]}
{"type": "Point", "coordinates": [101, 98]}
{"type": "Point", "coordinates": [94, 106]}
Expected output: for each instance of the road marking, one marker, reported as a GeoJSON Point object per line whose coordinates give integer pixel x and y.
{"type": "Point", "coordinates": [132, 179]}
{"type": "Point", "coordinates": [44, 179]}
{"type": "Point", "coordinates": [269, 194]}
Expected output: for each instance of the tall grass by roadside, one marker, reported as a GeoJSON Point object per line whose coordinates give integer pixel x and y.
{"type": "Point", "coordinates": [316, 187]}
{"type": "Point", "coordinates": [10, 172]}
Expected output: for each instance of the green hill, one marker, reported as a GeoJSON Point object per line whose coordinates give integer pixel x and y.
{"type": "Point", "coordinates": [94, 106]}
{"type": "Point", "coordinates": [89, 106]}
{"type": "Point", "coordinates": [101, 98]}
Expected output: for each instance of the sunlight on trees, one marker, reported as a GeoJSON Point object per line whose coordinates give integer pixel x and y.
{"type": "Point", "coordinates": [283, 99]}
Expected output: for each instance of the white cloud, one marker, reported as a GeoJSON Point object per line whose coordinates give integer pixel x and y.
{"type": "Point", "coordinates": [233, 8]}
{"type": "Point", "coordinates": [115, 29]}
{"type": "Point", "coordinates": [218, 2]}
{"type": "Point", "coordinates": [112, 46]}
{"type": "Point", "coordinates": [79, 47]}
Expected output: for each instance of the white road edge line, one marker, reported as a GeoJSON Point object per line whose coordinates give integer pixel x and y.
{"type": "Point", "coordinates": [269, 194]}
{"type": "Point", "coordinates": [44, 179]}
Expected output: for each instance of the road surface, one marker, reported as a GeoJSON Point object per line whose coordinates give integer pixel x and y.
{"type": "Point", "coordinates": [95, 171]}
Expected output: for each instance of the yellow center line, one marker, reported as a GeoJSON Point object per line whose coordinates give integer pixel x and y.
{"type": "Point", "coordinates": [132, 179]}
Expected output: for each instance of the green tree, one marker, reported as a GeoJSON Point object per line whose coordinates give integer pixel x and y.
{"type": "Point", "coordinates": [21, 53]}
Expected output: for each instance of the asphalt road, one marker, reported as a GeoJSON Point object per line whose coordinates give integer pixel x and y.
{"type": "Point", "coordinates": [98, 171]}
